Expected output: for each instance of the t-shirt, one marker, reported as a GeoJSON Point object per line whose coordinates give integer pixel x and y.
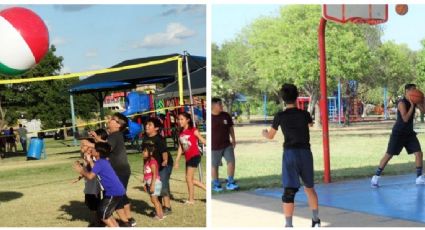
{"type": "Point", "coordinates": [160, 147]}
{"type": "Point", "coordinates": [22, 133]}
{"type": "Point", "coordinates": [404, 128]}
{"type": "Point", "coordinates": [189, 143]}
{"type": "Point", "coordinates": [220, 129]}
{"type": "Point", "coordinates": [294, 123]}
{"type": "Point", "coordinates": [147, 170]}
{"type": "Point", "coordinates": [118, 156]}
{"type": "Point", "coordinates": [108, 178]}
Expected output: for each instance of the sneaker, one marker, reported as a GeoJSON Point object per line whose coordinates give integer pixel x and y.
{"type": "Point", "coordinates": [420, 180]}
{"type": "Point", "coordinates": [315, 224]}
{"type": "Point", "coordinates": [158, 218]}
{"type": "Point", "coordinates": [217, 188]}
{"type": "Point", "coordinates": [167, 211]}
{"type": "Point", "coordinates": [132, 222]}
{"type": "Point", "coordinates": [125, 224]}
{"type": "Point", "coordinates": [374, 182]}
{"type": "Point", "coordinates": [232, 186]}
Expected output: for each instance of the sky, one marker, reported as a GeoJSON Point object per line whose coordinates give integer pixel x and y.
{"type": "Point", "coordinates": [91, 37]}
{"type": "Point", "coordinates": [228, 20]}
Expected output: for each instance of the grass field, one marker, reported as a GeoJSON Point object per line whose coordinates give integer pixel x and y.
{"type": "Point", "coordinates": [40, 193]}
{"type": "Point", "coordinates": [355, 152]}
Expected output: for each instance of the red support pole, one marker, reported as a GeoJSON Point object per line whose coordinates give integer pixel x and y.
{"type": "Point", "coordinates": [323, 101]}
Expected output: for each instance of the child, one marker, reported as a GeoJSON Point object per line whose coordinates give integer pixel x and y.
{"type": "Point", "coordinates": [297, 157]}
{"type": "Point", "coordinates": [151, 179]}
{"type": "Point", "coordinates": [188, 139]}
{"type": "Point", "coordinates": [163, 157]}
{"type": "Point", "coordinates": [114, 190]}
{"type": "Point", "coordinates": [91, 187]}
{"type": "Point", "coordinates": [403, 136]}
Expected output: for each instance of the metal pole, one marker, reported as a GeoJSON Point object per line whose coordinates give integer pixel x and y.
{"type": "Point", "coordinates": [323, 101]}
{"type": "Point", "coordinates": [385, 103]}
{"type": "Point", "coordinates": [71, 101]}
{"type": "Point", "coordinates": [339, 102]}
{"type": "Point", "coordinates": [265, 107]}
{"type": "Point", "coordinates": [189, 85]}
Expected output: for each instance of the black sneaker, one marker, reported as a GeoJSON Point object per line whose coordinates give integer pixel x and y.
{"type": "Point", "coordinates": [125, 224]}
{"type": "Point", "coordinates": [132, 222]}
{"type": "Point", "coordinates": [315, 224]}
{"type": "Point", "coordinates": [167, 211]}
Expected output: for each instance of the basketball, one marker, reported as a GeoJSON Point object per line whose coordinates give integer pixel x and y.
{"type": "Point", "coordinates": [401, 9]}
{"type": "Point", "coordinates": [24, 40]}
{"type": "Point", "coordinates": [416, 96]}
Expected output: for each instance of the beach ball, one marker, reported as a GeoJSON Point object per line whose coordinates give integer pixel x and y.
{"type": "Point", "coordinates": [24, 40]}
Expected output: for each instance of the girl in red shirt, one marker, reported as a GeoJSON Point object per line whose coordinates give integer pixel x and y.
{"type": "Point", "coordinates": [188, 143]}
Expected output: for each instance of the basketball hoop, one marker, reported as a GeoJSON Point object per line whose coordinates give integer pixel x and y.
{"type": "Point", "coordinates": [360, 14]}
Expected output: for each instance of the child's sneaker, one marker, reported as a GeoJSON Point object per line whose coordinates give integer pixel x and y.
{"type": "Point", "coordinates": [217, 188]}
{"type": "Point", "coordinates": [232, 186]}
{"type": "Point", "coordinates": [132, 222]}
{"type": "Point", "coordinates": [374, 181]}
{"type": "Point", "coordinates": [315, 224]}
{"type": "Point", "coordinates": [167, 211]}
{"type": "Point", "coordinates": [159, 218]}
{"type": "Point", "coordinates": [420, 180]}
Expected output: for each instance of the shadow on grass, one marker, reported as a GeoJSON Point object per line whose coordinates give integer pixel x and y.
{"type": "Point", "coordinates": [74, 211]}
{"type": "Point", "coordinates": [14, 154]}
{"type": "Point", "coordinates": [142, 207]}
{"type": "Point", "coordinates": [9, 195]}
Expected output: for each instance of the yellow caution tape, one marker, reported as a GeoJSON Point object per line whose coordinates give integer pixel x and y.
{"type": "Point", "coordinates": [87, 73]}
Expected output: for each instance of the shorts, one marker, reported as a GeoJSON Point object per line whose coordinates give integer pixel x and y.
{"type": "Point", "coordinates": [124, 200]}
{"type": "Point", "coordinates": [157, 190]}
{"type": "Point", "coordinates": [165, 175]}
{"type": "Point", "coordinates": [193, 162]}
{"type": "Point", "coordinates": [92, 201]}
{"type": "Point", "coordinates": [397, 142]}
{"type": "Point", "coordinates": [296, 164]}
{"type": "Point", "coordinates": [227, 153]}
{"type": "Point", "coordinates": [107, 206]}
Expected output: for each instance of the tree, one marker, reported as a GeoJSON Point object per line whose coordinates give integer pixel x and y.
{"type": "Point", "coordinates": [46, 100]}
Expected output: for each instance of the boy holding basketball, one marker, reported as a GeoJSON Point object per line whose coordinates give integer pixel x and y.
{"type": "Point", "coordinates": [297, 157]}
{"type": "Point", "coordinates": [403, 136]}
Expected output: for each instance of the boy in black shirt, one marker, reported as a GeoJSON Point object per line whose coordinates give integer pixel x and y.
{"type": "Point", "coordinates": [297, 157]}
{"type": "Point", "coordinates": [164, 158]}
{"type": "Point", "coordinates": [403, 135]}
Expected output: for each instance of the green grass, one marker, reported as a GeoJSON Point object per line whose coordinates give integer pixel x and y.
{"type": "Point", "coordinates": [355, 153]}
{"type": "Point", "coordinates": [40, 193]}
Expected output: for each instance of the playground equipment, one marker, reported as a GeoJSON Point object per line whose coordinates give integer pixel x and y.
{"type": "Point", "coordinates": [342, 13]}
{"type": "Point", "coordinates": [24, 40]}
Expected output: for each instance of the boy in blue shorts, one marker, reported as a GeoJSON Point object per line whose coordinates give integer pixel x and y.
{"type": "Point", "coordinates": [114, 190]}
{"type": "Point", "coordinates": [297, 157]}
{"type": "Point", "coordinates": [403, 136]}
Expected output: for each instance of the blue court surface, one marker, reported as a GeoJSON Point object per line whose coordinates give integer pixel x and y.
{"type": "Point", "coordinates": [398, 197]}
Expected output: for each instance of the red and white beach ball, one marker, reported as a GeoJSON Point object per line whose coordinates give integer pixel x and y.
{"type": "Point", "coordinates": [24, 40]}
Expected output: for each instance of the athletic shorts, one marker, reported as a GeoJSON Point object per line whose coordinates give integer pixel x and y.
{"type": "Point", "coordinates": [157, 190]}
{"type": "Point", "coordinates": [193, 162]}
{"type": "Point", "coordinates": [227, 153]}
{"type": "Point", "coordinates": [124, 200]}
{"type": "Point", "coordinates": [92, 201]}
{"type": "Point", "coordinates": [397, 142]}
{"type": "Point", "coordinates": [296, 164]}
{"type": "Point", "coordinates": [165, 175]}
{"type": "Point", "coordinates": [107, 206]}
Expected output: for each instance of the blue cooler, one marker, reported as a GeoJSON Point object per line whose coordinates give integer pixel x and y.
{"type": "Point", "coordinates": [36, 148]}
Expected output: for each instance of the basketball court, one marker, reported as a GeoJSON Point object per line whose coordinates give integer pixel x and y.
{"type": "Point", "coordinates": [398, 202]}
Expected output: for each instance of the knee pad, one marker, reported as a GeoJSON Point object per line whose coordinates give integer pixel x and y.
{"type": "Point", "coordinates": [289, 195]}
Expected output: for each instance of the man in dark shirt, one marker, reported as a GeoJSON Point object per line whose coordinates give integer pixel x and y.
{"type": "Point", "coordinates": [119, 161]}
{"type": "Point", "coordinates": [163, 157]}
{"type": "Point", "coordinates": [403, 136]}
{"type": "Point", "coordinates": [297, 157]}
{"type": "Point", "coordinates": [222, 130]}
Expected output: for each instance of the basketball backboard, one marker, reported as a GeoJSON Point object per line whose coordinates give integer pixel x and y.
{"type": "Point", "coordinates": [356, 13]}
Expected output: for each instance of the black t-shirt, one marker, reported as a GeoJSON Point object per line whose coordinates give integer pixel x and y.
{"type": "Point", "coordinates": [160, 147]}
{"type": "Point", "coordinates": [404, 128]}
{"type": "Point", "coordinates": [118, 157]}
{"type": "Point", "coordinates": [220, 135]}
{"type": "Point", "coordinates": [294, 123]}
